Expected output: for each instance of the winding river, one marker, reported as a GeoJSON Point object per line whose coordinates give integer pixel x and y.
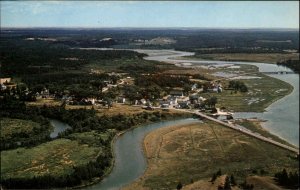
{"type": "Point", "coordinates": [130, 163]}
{"type": "Point", "coordinates": [282, 119]}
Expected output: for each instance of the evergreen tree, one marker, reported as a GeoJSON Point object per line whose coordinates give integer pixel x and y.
{"type": "Point", "coordinates": [227, 183]}
{"type": "Point", "coordinates": [179, 186]}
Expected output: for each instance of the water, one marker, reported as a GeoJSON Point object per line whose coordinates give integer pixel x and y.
{"type": "Point", "coordinates": [130, 162]}
{"type": "Point", "coordinates": [58, 127]}
{"type": "Point", "coordinates": [282, 119]}
{"type": "Point", "coordinates": [282, 116]}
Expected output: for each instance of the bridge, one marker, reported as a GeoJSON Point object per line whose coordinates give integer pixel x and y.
{"type": "Point", "coordinates": [279, 72]}
{"type": "Point", "coordinates": [243, 130]}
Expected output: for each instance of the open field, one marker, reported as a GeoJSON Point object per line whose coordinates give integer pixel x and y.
{"type": "Point", "coordinates": [261, 92]}
{"type": "Point", "coordinates": [248, 57]}
{"type": "Point", "coordinates": [195, 152]}
{"type": "Point", "coordinates": [55, 158]}
{"type": "Point", "coordinates": [45, 101]}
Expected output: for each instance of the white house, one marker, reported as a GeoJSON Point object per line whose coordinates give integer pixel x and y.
{"type": "Point", "coordinates": [172, 99]}
{"type": "Point", "coordinates": [121, 100]}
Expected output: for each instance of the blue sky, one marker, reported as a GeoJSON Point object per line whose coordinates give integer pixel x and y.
{"type": "Point", "coordinates": [211, 14]}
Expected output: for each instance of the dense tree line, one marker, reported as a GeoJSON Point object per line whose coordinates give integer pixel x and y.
{"type": "Point", "coordinates": [292, 64]}
{"type": "Point", "coordinates": [289, 180]}
{"type": "Point", "coordinates": [21, 57]}
{"type": "Point", "coordinates": [162, 81]}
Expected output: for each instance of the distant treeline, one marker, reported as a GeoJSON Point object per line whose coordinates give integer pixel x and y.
{"type": "Point", "coordinates": [20, 57]}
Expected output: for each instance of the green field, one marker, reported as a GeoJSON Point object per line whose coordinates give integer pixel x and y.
{"type": "Point", "coordinates": [56, 158]}
{"type": "Point", "coordinates": [261, 92]}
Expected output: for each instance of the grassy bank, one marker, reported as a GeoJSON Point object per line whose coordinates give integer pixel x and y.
{"type": "Point", "coordinates": [195, 152]}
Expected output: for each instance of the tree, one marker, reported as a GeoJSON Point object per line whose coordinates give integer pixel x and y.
{"type": "Point", "coordinates": [219, 173]}
{"type": "Point", "coordinates": [232, 180]}
{"type": "Point", "coordinates": [179, 186]}
{"type": "Point", "coordinates": [214, 177]}
{"type": "Point", "coordinates": [227, 183]}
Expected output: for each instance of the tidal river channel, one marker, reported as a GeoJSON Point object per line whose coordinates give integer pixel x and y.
{"type": "Point", "coordinates": [282, 119]}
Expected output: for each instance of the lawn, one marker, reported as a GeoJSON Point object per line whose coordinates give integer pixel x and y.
{"type": "Point", "coordinates": [196, 151]}
{"type": "Point", "coordinates": [56, 158]}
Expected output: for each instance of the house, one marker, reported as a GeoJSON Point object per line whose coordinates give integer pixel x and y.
{"type": "Point", "coordinates": [176, 93]}
{"type": "Point", "coordinates": [194, 87]}
{"type": "Point", "coordinates": [140, 102]}
{"type": "Point", "coordinates": [183, 104]}
{"type": "Point", "coordinates": [215, 88]}
{"type": "Point", "coordinates": [164, 103]}
{"type": "Point", "coordinates": [2, 87]}
{"type": "Point", "coordinates": [45, 93]}
{"type": "Point", "coordinates": [172, 99]}
{"type": "Point", "coordinates": [194, 99]}
{"type": "Point", "coordinates": [91, 101]}
{"type": "Point", "coordinates": [143, 101]}
{"type": "Point", "coordinates": [121, 100]}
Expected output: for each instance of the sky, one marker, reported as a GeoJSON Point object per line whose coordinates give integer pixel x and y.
{"type": "Point", "coordinates": [204, 14]}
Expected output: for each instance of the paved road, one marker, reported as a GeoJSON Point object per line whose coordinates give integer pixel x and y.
{"type": "Point", "coordinates": [243, 130]}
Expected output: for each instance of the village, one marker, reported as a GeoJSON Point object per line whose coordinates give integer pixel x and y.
{"type": "Point", "coordinates": [177, 98]}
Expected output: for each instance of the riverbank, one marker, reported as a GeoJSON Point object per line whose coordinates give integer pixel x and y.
{"type": "Point", "coordinates": [206, 147]}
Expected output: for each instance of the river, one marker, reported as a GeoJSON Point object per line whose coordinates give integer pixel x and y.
{"type": "Point", "coordinates": [130, 162]}
{"type": "Point", "coordinates": [58, 127]}
{"type": "Point", "coordinates": [282, 119]}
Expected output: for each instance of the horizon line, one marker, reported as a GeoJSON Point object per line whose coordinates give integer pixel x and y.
{"type": "Point", "coordinates": [136, 27]}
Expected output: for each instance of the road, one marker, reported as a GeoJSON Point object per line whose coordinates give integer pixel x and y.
{"type": "Point", "coordinates": [243, 130]}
